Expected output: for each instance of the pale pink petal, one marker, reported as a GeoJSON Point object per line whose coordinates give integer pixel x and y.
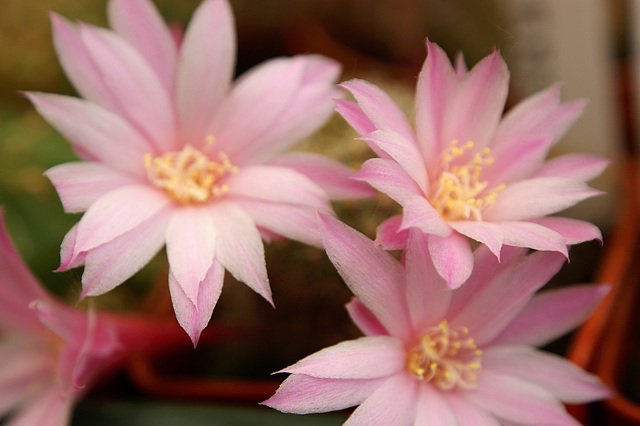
{"type": "Point", "coordinates": [48, 409]}
{"type": "Point", "coordinates": [452, 258]}
{"type": "Point", "coordinates": [428, 296]}
{"type": "Point", "coordinates": [476, 104]}
{"type": "Point", "coordinates": [435, 85]}
{"type": "Point", "coordinates": [277, 184]}
{"type": "Point", "coordinates": [372, 274]}
{"type": "Point", "coordinates": [193, 316]}
{"type": "Point", "coordinates": [538, 115]}
{"type": "Point", "coordinates": [389, 235]}
{"type": "Point", "coordinates": [513, 287]}
{"type": "Point", "coordinates": [69, 258]}
{"type": "Point", "coordinates": [80, 184]}
{"type": "Point", "coordinates": [518, 401]}
{"type": "Point", "coordinates": [383, 112]}
{"type": "Point", "coordinates": [239, 247]}
{"type": "Point", "coordinates": [572, 230]}
{"type": "Point", "coordinates": [388, 177]}
{"type": "Point", "coordinates": [78, 65]}
{"type": "Point", "coordinates": [364, 319]}
{"type": "Point", "coordinates": [141, 96]}
{"type": "Point", "coordinates": [417, 212]}
{"type": "Point", "coordinates": [467, 413]}
{"type": "Point", "coordinates": [393, 403]}
{"type": "Point", "coordinates": [552, 314]}
{"type": "Point", "coordinates": [363, 358]}
{"type": "Point", "coordinates": [256, 101]}
{"type": "Point", "coordinates": [461, 65]}
{"type": "Point", "coordinates": [534, 236]}
{"type": "Point", "coordinates": [432, 408]}
{"type": "Point", "coordinates": [285, 220]}
{"type": "Point", "coordinates": [333, 177]}
{"type": "Point", "coordinates": [116, 213]}
{"type": "Point", "coordinates": [404, 152]}
{"type": "Point", "coordinates": [191, 242]}
{"type": "Point", "coordinates": [139, 22]}
{"type": "Point", "coordinates": [354, 115]}
{"type": "Point", "coordinates": [205, 68]}
{"type": "Point", "coordinates": [537, 197]}
{"type": "Point", "coordinates": [110, 264]}
{"type": "Point", "coordinates": [94, 132]}
{"type": "Point", "coordinates": [516, 161]}
{"type": "Point", "coordinates": [489, 234]}
{"type": "Point", "coordinates": [582, 167]}
{"type": "Point", "coordinates": [302, 394]}
{"type": "Point", "coordinates": [565, 380]}
{"type": "Point", "coordinates": [308, 109]}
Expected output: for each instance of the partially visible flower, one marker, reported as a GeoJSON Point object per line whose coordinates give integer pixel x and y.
{"type": "Point", "coordinates": [435, 356]}
{"type": "Point", "coordinates": [51, 353]}
{"type": "Point", "coordinates": [175, 153]}
{"type": "Point", "coordinates": [467, 172]}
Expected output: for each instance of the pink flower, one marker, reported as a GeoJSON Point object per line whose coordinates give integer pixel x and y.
{"type": "Point", "coordinates": [467, 172]}
{"type": "Point", "coordinates": [435, 356]}
{"type": "Point", "coordinates": [50, 353]}
{"type": "Point", "coordinates": [175, 154]}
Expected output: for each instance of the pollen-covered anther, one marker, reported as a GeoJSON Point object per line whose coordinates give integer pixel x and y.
{"type": "Point", "coordinates": [189, 176]}
{"type": "Point", "coordinates": [459, 193]}
{"type": "Point", "coordinates": [446, 357]}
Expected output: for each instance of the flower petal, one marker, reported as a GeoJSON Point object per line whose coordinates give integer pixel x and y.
{"type": "Point", "coordinates": [427, 294]}
{"type": "Point", "coordinates": [333, 177]}
{"type": "Point", "coordinates": [141, 25]}
{"type": "Point", "coordinates": [80, 184]}
{"type": "Point", "coordinates": [49, 408]}
{"type": "Point", "coordinates": [354, 115]}
{"type": "Point", "coordinates": [516, 161]}
{"type": "Point", "coordinates": [432, 408]}
{"type": "Point", "coordinates": [239, 247]}
{"type": "Point", "coordinates": [509, 397]}
{"type": "Point", "coordinates": [565, 380]}
{"type": "Point", "coordinates": [380, 108]}
{"type": "Point", "coordinates": [417, 212]}
{"type": "Point", "coordinates": [572, 230]}
{"type": "Point", "coordinates": [117, 212]}
{"type": "Point", "coordinates": [537, 197]}
{"type": "Point", "coordinates": [110, 264]}
{"type": "Point", "coordinates": [363, 358]}
{"type": "Point", "coordinates": [552, 314]}
{"type": "Point", "coordinates": [141, 97]}
{"type": "Point", "coordinates": [302, 394]}
{"type": "Point", "coordinates": [393, 403]}
{"type": "Point", "coordinates": [433, 92]}
{"type": "Point", "coordinates": [389, 236]}
{"type": "Point", "coordinates": [388, 177]}
{"type": "Point", "coordinates": [452, 258]}
{"type": "Point", "coordinates": [205, 67]}
{"type": "Point", "coordinates": [372, 274]}
{"type": "Point", "coordinates": [489, 234]}
{"type": "Point", "coordinates": [364, 319]}
{"type": "Point", "coordinates": [194, 315]}
{"type": "Point", "coordinates": [582, 167]}
{"type": "Point", "coordinates": [513, 287]}
{"type": "Point", "coordinates": [191, 242]}
{"type": "Point", "coordinates": [401, 150]}
{"type": "Point", "coordinates": [467, 413]}
{"type": "Point", "coordinates": [69, 258]}
{"type": "Point", "coordinates": [94, 132]}
{"type": "Point", "coordinates": [534, 236]}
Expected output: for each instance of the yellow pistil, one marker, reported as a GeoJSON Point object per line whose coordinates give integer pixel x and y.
{"type": "Point", "coordinates": [446, 357]}
{"type": "Point", "coordinates": [458, 193]}
{"type": "Point", "coordinates": [189, 176]}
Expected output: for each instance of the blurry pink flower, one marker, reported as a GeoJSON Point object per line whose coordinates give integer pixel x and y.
{"type": "Point", "coordinates": [174, 153]}
{"type": "Point", "coordinates": [435, 356]}
{"type": "Point", "coordinates": [51, 353]}
{"type": "Point", "coordinates": [467, 172]}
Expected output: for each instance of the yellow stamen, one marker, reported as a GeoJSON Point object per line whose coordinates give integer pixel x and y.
{"type": "Point", "coordinates": [445, 357]}
{"type": "Point", "coordinates": [189, 176]}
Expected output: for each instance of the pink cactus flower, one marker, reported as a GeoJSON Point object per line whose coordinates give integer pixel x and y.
{"type": "Point", "coordinates": [435, 356]}
{"type": "Point", "coordinates": [51, 353]}
{"type": "Point", "coordinates": [466, 172]}
{"type": "Point", "coordinates": [174, 153]}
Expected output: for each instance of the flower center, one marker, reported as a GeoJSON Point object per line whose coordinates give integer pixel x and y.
{"type": "Point", "coordinates": [447, 357]}
{"type": "Point", "coordinates": [456, 195]}
{"type": "Point", "coordinates": [189, 176]}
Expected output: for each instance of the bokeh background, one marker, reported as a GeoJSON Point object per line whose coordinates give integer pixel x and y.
{"type": "Point", "coordinates": [587, 44]}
